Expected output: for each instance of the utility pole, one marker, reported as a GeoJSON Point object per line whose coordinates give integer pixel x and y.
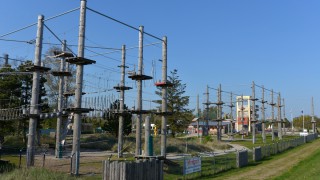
{"type": "Point", "coordinates": [164, 97]}
{"type": "Point", "coordinates": [312, 118]}
{"type": "Point", "coordinates": [122, 88]}
{"type": "Point", "coordinates": [34, 105]}
{"type": "Point", "coordinates": [272, 115]}
{"type": "Point", "coordinates": [60, 104]}
{"type": "Point", "coordinates": [263, 120]}
{"type": "Point", "coordinates": [279, 118]}
{"type": "Point", "coordinates": [253, 117]}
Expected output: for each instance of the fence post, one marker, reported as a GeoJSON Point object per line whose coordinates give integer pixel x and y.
{"type": "Point", "coordinates": [44, 159]}
{"type": "Point", "coordinates": [20, 158]}
{"type": "Point", "coordinates": [71, 163]}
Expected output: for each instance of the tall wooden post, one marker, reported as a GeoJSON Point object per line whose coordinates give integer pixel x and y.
{"type": "Point", "coordinates": [78, 91]}
{"type": "Point", "coordinates": [253, 116]}
{"type": "Point", "coordinates": [60, 103]}
{"type": "Point", "coordinates": [139, 97]}
{"type": "Point", "coordinates": [279, 118]}
{"type": "Point", "coordinates": [164, 98]}
{"type": "Point", "coordinates": [34, 105]}
{"type": "Point", "coordinates": [263, 120]}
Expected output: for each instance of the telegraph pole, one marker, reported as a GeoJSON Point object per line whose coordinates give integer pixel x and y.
{"type": "Point", "coordinates": [60, 103]}
{"type": "Point", "coordinates": [263, 121]}
{"type": "Point", "coordinates": [279, 118]}
{"type": "Point", "coordinates": [272, 115]}
{"type": "Point", "coordinates": [34, 105]}
{"type": "Point", "coordinates": [253, 117]}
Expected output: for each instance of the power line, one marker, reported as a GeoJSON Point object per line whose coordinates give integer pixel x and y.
{"type": "Point", "coordinates": [58, 38]}
{"type": "Point", "coordinates": [123, 23]}
{"type": "Point", "coordinates": [33, 24]}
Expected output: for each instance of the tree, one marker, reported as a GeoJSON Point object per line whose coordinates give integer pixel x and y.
{"type": "Point", "coordinates": [298, 121]}
{"type": "Point", "coordinates": [53, 81]}
{"type": "Point", "coordinates": [26, 81]}
{"type": "Point", "coordinates": [112, 120]}
{"type": "Point", "coordinates": [10, 93]}
{"type": "Point", "coordinates": [177, 103]}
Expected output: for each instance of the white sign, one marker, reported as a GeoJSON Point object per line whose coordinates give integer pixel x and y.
{"type": "Point", "coordinates": [192, 165]}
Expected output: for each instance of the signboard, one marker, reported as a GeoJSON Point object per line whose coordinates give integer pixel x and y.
{"type": "Point", "coordinates": [192, 165]}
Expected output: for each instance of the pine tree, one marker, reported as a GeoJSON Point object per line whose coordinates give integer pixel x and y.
{"type": "Point", "coordinates": [177, 103]}
{"type": "Point", "coordinates": [112, 120]}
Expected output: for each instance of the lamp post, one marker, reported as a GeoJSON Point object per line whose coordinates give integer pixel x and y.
{"type": "Point", "coordinates": [302, 121]}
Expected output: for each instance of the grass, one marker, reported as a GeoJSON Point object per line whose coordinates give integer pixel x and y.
{"type": "Point", "coordinates": [35, 173]}
{"type": "Point", "coordinates": [247, 141]}
{"type": "Point", "coordinates": [209, 167]}
{"type": "Point", "coordinates": [306, 169]}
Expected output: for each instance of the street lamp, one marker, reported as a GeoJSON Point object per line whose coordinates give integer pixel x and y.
{"type": "Point", "coordinates": [302, 120]}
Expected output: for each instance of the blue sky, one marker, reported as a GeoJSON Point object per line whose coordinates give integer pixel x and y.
{"type": "Point", "coordinates": [232, 43]}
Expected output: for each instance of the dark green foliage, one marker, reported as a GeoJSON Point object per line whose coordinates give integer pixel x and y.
{"type": "Point", "coordinates": [112, 120]}
{"type": "Point", "coordinates": [298, 122]}
{"type": "Point", "coordinates": [177, 103]}
{"type": "Point", "coordinates": [15, 92]}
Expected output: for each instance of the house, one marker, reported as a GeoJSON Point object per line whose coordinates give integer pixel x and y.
{"type": "Point", "coordinates": [193, 127]}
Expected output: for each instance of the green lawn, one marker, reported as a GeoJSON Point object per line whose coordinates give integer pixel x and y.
{"type": "Point", "coordinates": [306, 169]}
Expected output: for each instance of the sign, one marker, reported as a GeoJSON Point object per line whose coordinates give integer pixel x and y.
{"type": "Point", "coordinates": [192, 165]}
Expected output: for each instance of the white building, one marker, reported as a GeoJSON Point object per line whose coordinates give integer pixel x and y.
{"type": "Point", "coordinates": [243, 123]}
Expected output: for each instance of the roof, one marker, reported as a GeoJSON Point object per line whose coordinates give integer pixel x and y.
{"type": "Point", "coordinates": [211, 123]}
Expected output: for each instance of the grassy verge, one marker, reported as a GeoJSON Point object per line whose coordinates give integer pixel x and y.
{"type": "Point", "coordinates": [34, 173]}
{"type": "Point", "coordinates": [306, 169]}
